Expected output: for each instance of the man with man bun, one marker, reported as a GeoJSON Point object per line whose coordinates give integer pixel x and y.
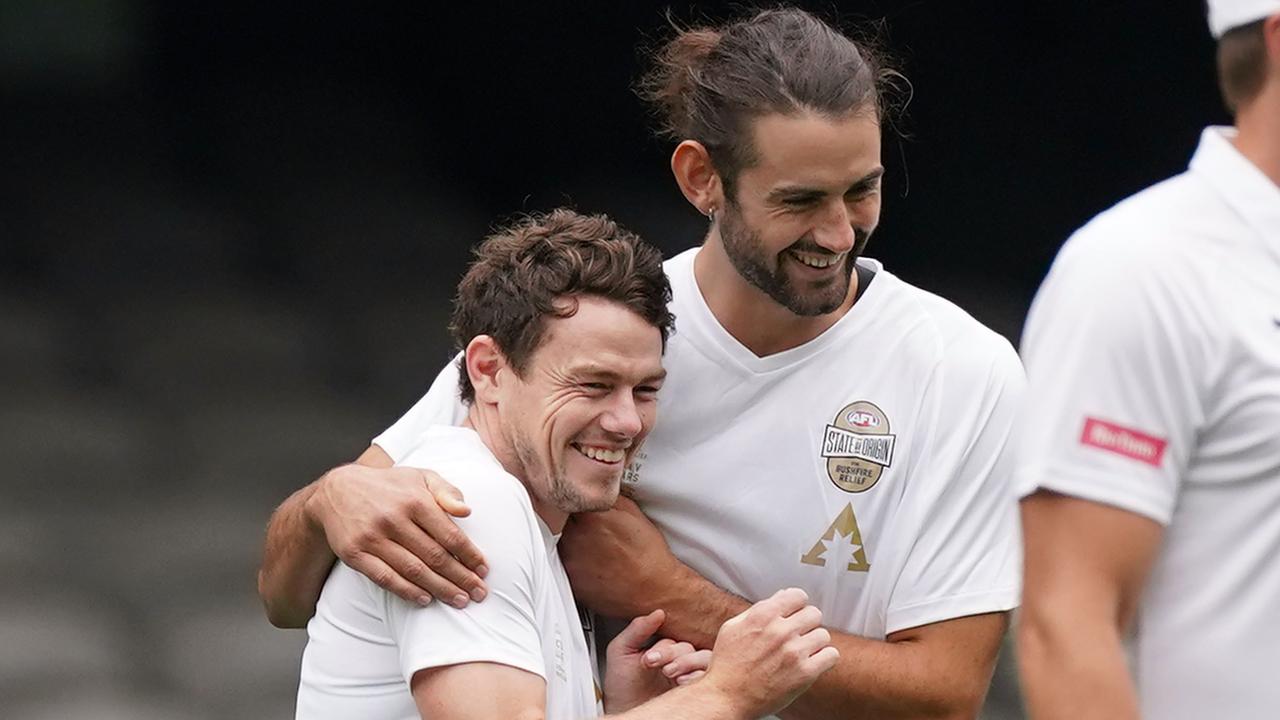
{"type": "Point", "coordinates": [825, 424]}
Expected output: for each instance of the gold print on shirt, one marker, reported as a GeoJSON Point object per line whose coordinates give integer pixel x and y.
{"type": "Point", "coordinates": [846, 525]}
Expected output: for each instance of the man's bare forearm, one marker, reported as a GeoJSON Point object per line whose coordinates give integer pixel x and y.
{"type": "Point", "coordinates": [937, 671]}
{"type": "Point", "coordinates": [696, 608]}
{"type": "Point", "coordinates": [940, 671]}
{"type": "Point", "coordinates": [693, 702]}
{"type": "Point", "coordinates": [1080, 592]}
{"type": "Point", "coordinates": [296, 560]}
{"type": "Point", "coordinates": [1074, 668]}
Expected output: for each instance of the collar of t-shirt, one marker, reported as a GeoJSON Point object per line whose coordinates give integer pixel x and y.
{"type": "Point", "coordinates": [1242, 185]}
{"type": "Point", "coordinates": [870, 296]}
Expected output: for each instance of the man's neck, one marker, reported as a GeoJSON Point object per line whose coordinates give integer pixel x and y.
{"type": "Point", "coordinates": [484, 420]}
{"type": "Point", "coordinates": [1258, 131]}
{"type": "Point", "coordinates": [753, 318]}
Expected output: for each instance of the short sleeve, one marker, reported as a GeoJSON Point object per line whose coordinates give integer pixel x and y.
{"type": "Point", "coordinates": [1114, 372]}
{"type": "Point", "coordinates": [440, 406]}
{"type": "Point", "coordinates": [502, 629]}
{"type": "Point", "coordinates": [965, 558]}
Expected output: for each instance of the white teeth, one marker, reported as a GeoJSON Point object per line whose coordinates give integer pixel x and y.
{"type": "Point", "coordinates": [816, 261]}
{"type": "Point", "coordinates": [602, 454]}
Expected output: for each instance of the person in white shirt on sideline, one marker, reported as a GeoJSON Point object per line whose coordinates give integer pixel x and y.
{"type": "Point", "coordinates": [1151, 455]}
{"type": "Point", "coordinates": [826, 425]}
{"type": "Point", "coordinates": [563, 320]}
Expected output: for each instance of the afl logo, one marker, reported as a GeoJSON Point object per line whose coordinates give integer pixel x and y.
{"type": "Point", "coordinates": [858, 446]}
{"type": "Point", "coordinates": [862, 419]}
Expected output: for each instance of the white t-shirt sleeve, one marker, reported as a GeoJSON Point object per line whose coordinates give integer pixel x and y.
{"type": "Point", "coordinates": [966, 556]}
{"type": "Point", "coordinates": [440, 406]}
{"type": "Point", "coordinates": [1113, 397]}
{"type": "Point", "coordinates": [502, 629]}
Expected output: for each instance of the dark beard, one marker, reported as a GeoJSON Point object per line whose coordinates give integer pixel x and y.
{"type": "Point", "coordinates": [746, 252]}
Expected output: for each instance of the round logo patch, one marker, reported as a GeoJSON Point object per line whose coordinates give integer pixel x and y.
{"type": "Point", "coordinates": [858, 446]}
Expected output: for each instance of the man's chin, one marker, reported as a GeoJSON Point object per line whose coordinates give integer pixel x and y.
{"type": "Point", "coordinates": [597, 501]}
{"type": "Point", "coordinates": [810, 306]}
{"type": "Point", "coordinates": [606, 501]}
{"type": "Point", "coordinates": [806, 297]}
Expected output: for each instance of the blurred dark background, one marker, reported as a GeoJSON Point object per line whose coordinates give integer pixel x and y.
{"type": "Point", "coordinates": [229, 232]}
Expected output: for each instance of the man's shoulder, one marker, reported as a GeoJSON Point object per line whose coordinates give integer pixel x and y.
{"type": "Point", "coordinates": [458, 456]}
{"type": "Point", "coordinates": [679, 270]}
{"type": "Point", "coordinates": [681, 262]}
{"type": "Point", "coordinates": [1165, 246]}
{"type": "Point", "coordinates": [948, 333]}
{"type": "Point", "coordinates": [1167, 225]}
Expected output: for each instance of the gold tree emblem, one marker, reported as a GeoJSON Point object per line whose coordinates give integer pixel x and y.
{"type": "Point", "coordinates": [847, 526]}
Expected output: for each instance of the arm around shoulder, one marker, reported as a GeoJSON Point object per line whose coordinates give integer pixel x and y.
{"type": "Point", "coordinates": [296, 556]}
{"type": "Point", "coordinates": [381, 521]}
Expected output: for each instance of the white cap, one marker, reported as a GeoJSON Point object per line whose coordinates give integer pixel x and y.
{"type": "Point", "coordinates": [1227, 14]}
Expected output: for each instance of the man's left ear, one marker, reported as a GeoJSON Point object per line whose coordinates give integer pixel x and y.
{"type": "Point", "coordinates": [484, 365]}
{"type": "Point", "coordinates": [697, 177]}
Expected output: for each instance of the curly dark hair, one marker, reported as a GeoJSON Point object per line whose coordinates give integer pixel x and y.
{"type": "Point", "coordinates": [536, 267]}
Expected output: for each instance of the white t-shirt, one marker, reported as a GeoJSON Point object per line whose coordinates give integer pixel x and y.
{"type": "Point", "coordinates": [1153, 352]}
{"type": "Point", "coordinates": [365, 643]}
{"type": "Point", "coordinates": [868, 466]}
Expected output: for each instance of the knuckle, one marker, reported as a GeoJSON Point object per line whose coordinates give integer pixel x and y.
{"type": "Point", "coordinates": [435, 556]}
{"type": "Point", "coordinates": [385, 523]}
{"type": "Point", "coordinates": [383, 578]}
{"type": "Point", "coordinates": [416, 572]}
{"type": "Point", "coordinates": [812, 617]}
{"type": "Point", "coordinates": [362, 541]}
{"type": "Point", "coordinates": [452, 537]}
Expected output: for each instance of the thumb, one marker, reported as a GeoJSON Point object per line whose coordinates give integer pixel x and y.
{"type": "Point", "coordinates": [639, 630]}
{"type": "Point", "coordinates": [448, 497]}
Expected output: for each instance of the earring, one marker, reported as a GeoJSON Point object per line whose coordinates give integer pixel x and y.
{"type": "Point", "coordinates": [711, 213]}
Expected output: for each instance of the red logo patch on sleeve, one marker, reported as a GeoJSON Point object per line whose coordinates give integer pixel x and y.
{"type": "Point", "coordinates": [1128, 442]}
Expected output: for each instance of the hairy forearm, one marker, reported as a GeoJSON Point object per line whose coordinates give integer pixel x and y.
{"type": "Point", "coordinates": [699, 701]}
{"type": "Point", "coordinates": [881, 679]}
{"type": "Point", "coordinates": [905, 678]}
{"type": "Point", "coordinates": [1074, 667]}
{"type": "Point", "coordinates": [696, 608]}
{"type": "Point", "coordinates": [295, 562]}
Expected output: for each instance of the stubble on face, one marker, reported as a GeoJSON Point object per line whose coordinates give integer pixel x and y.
{"type": "Point", "coordinates": [746, 251]}
{"type": "Point", "coordinates": [561, 493]}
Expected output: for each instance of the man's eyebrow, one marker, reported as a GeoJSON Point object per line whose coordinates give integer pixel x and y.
{"type": "Point", "coordinates": [869, 178]}
{"type": "Point", "coordinates": [795, 193]}
{"type": "Point", "coordinates": [599, 371]}
{"type": "Point", "coordinates": [803, 193]}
